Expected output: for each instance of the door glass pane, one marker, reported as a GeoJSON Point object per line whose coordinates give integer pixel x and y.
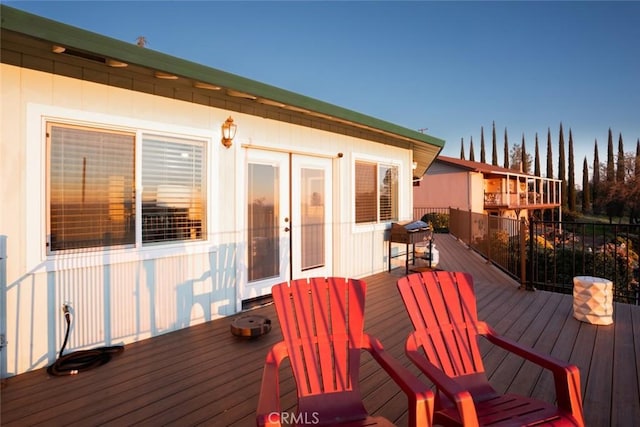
{"type": "Point", "coordinates": [263, 221]}
{"type": "Point", "coordinates": [312, 218]}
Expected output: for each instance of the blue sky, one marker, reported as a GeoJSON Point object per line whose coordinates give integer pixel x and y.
{"type": "Point", "coordinates": [448, 66]}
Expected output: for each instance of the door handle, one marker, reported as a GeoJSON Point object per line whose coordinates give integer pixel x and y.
{"type": "Point", "coordinates": [286, 229]}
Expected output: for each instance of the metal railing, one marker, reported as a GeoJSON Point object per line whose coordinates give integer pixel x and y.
{"type": "Point", "coordinates": [560, 251]}
{"type": "Point", "coordinates": [549, 254]}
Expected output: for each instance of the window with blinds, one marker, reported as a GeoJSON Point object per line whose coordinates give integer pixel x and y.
{"type": "Point", "coordinates": [91, 191]}
{"type": "Point", "coordinates": [388, 192]}
{"type": "Point", "coordinates": [366, 204]}
{"type": "Point", "coordinates": [376, 196]}
{"type": "Point", "coordinates": [173, 183]}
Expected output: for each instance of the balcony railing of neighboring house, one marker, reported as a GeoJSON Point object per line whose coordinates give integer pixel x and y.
{"type": "Point", "coordinates": [519, 200]}
{"type": "Point", "coordinates": [549, 254]}
{"type": "Point", "coordinates": [535, 192]}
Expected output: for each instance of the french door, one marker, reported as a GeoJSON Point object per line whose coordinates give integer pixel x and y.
{"type": "Point", "coordinates": [288, 219]}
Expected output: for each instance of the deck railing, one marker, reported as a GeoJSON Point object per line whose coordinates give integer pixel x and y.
{"type": "Point", "coordinates": [549, 254]}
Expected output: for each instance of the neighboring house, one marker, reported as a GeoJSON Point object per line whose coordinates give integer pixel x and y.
{"type": "Point", "coordinates": [483, 188]}
{"type": "Point", "coordinates": [120, 200]}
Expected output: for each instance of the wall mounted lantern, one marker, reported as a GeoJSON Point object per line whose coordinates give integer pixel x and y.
{"type": "Point", "coordinates": [228, 132]}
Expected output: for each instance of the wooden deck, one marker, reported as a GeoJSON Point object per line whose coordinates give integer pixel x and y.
{"type": "Point", "coordinates": [205, 376]}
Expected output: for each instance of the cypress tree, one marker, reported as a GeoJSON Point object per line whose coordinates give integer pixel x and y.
{"type": "Point", "coordinates": [494, 155]}
{"type": "Point", "coordinates": [562, 174]}
{"type": "Point", "coordinates": [636, 168]}
{"type": "Point", "coordinates": [472, 156]}
{"type": "Point", "coordinates": [549, 155]}
{"type": "Point", "coordinates": [461, 148]}
{"type": "Point", "coordinates": [571, 196]}
{"type": "Point", "coordinates": [506, 149]}
{"type": "Point", "coordinates": [523, 157]}
{"type": "Point", "coordinates": [611, 176]}
{"type": "Point", "coordinates": [595, 186]}
{"type": "Point", "coordinates": [483, 158]}
{"type": "Point", "coordinates": [536, 168]}
{"type": "Point", "coordinates": [586, 191]}
{"type": "Point", "coordinates": [620, 172]}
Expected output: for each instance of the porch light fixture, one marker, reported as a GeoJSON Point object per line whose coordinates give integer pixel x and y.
{"type": "Point", "coordinates": [228, 132]}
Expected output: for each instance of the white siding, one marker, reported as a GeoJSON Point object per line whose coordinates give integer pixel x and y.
{"type": "Point", "coordinates": [125, 295]}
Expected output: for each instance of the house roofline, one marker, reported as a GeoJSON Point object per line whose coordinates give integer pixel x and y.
{"type": "Point", "coordinates": [71, 37]}
{"type": "Point", "coordinates": [486, 168]}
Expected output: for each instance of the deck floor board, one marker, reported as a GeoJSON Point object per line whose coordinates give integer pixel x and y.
{"type": "Point", "coordinates": [205, 376]}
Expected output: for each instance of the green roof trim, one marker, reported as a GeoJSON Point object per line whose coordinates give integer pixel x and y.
{"type": "Point", "coordinates": [66, 35]}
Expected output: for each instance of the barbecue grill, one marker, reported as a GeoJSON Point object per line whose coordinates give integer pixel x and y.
{"type": "Point", "coordinates": [409, 233]}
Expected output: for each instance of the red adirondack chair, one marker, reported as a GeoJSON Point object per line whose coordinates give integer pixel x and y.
{"type": "Point", "coordinates": [442, 308]}
{"type": "Point", "coordinates": [322, 324]}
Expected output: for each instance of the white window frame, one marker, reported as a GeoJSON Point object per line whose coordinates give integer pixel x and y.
{"type": "Point", "coordinates": [378, 223]}
{"type": "Point", "coordinates": [37, 186]}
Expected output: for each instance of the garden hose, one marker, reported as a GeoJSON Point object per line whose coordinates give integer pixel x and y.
{"type": "Point", "coordinates": [82, 360]}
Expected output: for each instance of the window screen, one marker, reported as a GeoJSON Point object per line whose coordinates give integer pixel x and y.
{"type": "Point", "coordinates": [173, 188]}
{"type": "Point", "coordinates": [91, 187]}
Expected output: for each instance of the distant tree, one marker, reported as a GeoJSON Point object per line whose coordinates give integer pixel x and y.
{"type": "Point", "coordinates": [462, 149]}
{"type": "Point", "coordinates": [614, 190]}
{"type": "Point", "coordinates": [483, 157]}
{"type": "Point", "coordinates": [549, 155]}
{"type": "Point", "coordinates": [536, 167]}
{"type": "Point", "coordinates": [586, 191]}
{"type": "Point", "coordinates": [515, 158]}
{"type": "Point", "coordinates": [525, 159]}
{"type": "Point", "coordinates": [549, 170]}
{"type": "Point", "coordinates": [571, 196]}
{"type": "Point", "coordinates": [472, 157]}
{"type": "Point", "coordinates": [494, 153]}
{"type": "Point", "coordinates": [611, 177]}
{"type": "Point", "coordinates": [506, 149]}
{"type": "Point", "coordinates": [620, 169]}
{"type": "Point", "coordinates": [634, 185]}
{"type": "Point", "coordinates": [595, 186]}
{"type": "Point", "coordinates": [636, 169]}
{"type": "Point", "coordinates": [562, 174]}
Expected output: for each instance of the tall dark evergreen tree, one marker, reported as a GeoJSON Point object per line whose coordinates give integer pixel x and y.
{"type": "Point", "coordinates": [586, 191]}
{"type": "Point", "coordinates": [595, 182]}
{"type": "Point", "coordinates": [634, 197]}
{"type": "Point", "coordinates": [483, 157]}
{"type": "Point", "coordinates": [494, 154]}
{"type": "Point", "coordinates": [620, 170]}
{"type": "Point", "coordinates": [536, 167]}
{"type": "Point", "coordinates": [612, 194]}
{"type": "Point", "coordinates": [571, 196]}
{"type": "Point", "coordinates": [562, 174]}
{"type": "Point", "coordinates": [611, 170]}
{"type": "Point", "coordinates": [462, 149]}
{"type": "Point", "coordinates": [506, 149]}
{"type": "Point", "coordinates": [636, 166]}
{"type": "Point", "coordinates": [472, 156]}
{"type": "Point", "coordinates": [524, 160]}
{"type": "Point", "coordinates": [549, 155]}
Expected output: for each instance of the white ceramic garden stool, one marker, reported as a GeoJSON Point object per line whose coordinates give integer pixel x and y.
{"type": "Point", "coordinates": [593, 300]}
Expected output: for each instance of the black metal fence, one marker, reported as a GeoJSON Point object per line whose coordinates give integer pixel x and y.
{"type": "Point", "coordinates": [549, 254]}
{"type": "Point", "coordinates": [560, 251]}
